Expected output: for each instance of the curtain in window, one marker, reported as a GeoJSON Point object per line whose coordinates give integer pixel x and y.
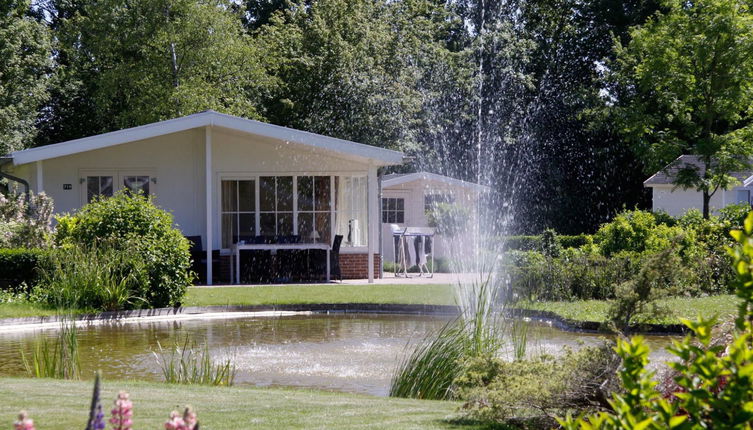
{"type": "Point", "coordinates": [351, 210]}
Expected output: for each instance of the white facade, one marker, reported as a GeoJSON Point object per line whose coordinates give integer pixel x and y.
{"type": "Point", "coordinates": [186, 160]}
{"type": "Point", "coordinates": [677, 202]}
{"type": "Point", "coordinates": [413, 190]}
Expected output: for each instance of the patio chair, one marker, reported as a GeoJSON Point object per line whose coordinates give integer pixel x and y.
{"type": "Point", "coordinates": [199, 258]}
{"type": "Point", "coordinates": [334, 255]}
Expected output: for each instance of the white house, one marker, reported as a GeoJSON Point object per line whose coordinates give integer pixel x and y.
{"type": "Point", "coordinates": [407, 199]}
{"type": "Point", "coordinates": [675, 201]}
{"type": "Point", "coordinates": [226, 178]}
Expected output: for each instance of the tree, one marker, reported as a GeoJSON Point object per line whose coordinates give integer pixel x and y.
{"type": "Point", "coordinates": [354, 69]}
{"type": "Point", "coordinates": [24, 69]}
{"type": "Point", "coordinates": [170, 58]}
{"type": "Point", "coordinates": [687, 88]}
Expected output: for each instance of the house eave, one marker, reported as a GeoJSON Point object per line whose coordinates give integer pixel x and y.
{"type": "Point", "coordinates": [376, 156]}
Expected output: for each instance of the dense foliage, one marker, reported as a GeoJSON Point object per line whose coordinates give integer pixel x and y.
{"type": "Point", "coordinates": [25, 220]}
{"type": "Point", "coordinates": [144, 236]}
{"type": "Point", "coordinates": [19, 268]}
{"type": "Point", "coordinates": [521, 79]}
{"type": "Point", "coordinates": [713, 380]}
{"type": "Point", "coordinates": [635, 259]}
{"type": "Point", "coordinates": [690, 85]}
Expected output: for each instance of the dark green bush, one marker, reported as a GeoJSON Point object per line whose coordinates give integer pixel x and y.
{"type": "Point", "coordinates": [522, 243]}
{"type": "Point", "coordinates": [575, 241]}
{"type": "Point", "coordinates": [19, 268]}
{"type": "Point", "coordinates": [133, 224]}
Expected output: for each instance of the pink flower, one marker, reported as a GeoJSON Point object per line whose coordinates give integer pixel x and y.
{"type": "Point", "coordinates": [24, 422]}
{"type": "Point", "coordinates": [187, 422]}
{"type": "Point", "coordinates": [122, 413]}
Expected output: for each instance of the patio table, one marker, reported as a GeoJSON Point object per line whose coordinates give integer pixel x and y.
{"type": "Point", "coordinates": [238, 247]}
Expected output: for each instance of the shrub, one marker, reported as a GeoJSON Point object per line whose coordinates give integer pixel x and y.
{"type": "Point", "coordinates": [132, 223]}
{"type": "Point", "coordinates": [574, 241]}
{"type": "Point", "coordinates": [734, 214]}
{"type": "Point", "coordinates": [550, 243]}
{"type": "Point", "coordinates": [521, 243]}
{"type": "Point", "coordinates": [25, 220]}
{"type": "Point", "coordinates": [496, 391]}
{"type": "Point", "coordinates": [19, 268]}
{"type": "Point", "coordinates": [713, 380]}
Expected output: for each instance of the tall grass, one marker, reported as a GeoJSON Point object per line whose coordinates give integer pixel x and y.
{"type": "Point", "coordinates": [430, 370]}
{"type": "Point", "coordinates": [99, 278]}
{"type": "Point", "coordinates": [55, 359]}
{"type": "Point", "coordinates": [188, 364]}
{"type": "Point", "coordinates": [518, 333]}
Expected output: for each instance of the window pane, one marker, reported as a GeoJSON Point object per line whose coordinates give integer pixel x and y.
{"type": "Point", "coordinates": [92, 187]}
{"type": "Point", "coordinates": [285, 224]}
{"type": "Point", "coordinates": [305, 226]}
{"type": "Point", "coordinates": [322, 193]}
{"type": "Point", "coordinates": [246, 196]}
{"type": "Point", "coordinates": [229, 230]}
{"type": "Point", "coordinates": [400, 204]}
{"type": "Point", "coordinates": [305, 193]}
{"type": "Point", "coordinates": [285, 193]}
{"type": "Point", "coordinates": [267, 193]}
{"type": "Point", "coordinates": [229, 196]}
{"type": "Point", "coordinates": [105, 186]}
{"type": "Point", "coordinates": [323, 227]}
{"type": "Point", "coordinates": [246, 226]}
{"type": "Point", "coordinates": [267, 224]}
{"type": "Point", "coordinates": [399, 217]}
{"type": "Point", "coordinates": [136, 184]}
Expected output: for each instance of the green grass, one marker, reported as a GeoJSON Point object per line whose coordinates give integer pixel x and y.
{"type": "Point", "coordinates": [282, 294]}
{"type": "Point", "coordinates": [63, 405]}
{"type": "Point", "coordinates": [596, 310]}
{"type": "Point", "coordinates": [321, 293]}
{"type": "Point", "coordinates": [19, 310]}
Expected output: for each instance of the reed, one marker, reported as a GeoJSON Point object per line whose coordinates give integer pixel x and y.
{"type": "Point", "coordinates": [57, 359]}
{"type": "Point", "coordinates": [518, 332]}
{"type": "Point", "coordinates": [188, 364]}
{"type": "Point", "coordinates": [430, 370]}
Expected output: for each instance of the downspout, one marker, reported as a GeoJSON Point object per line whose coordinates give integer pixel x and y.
{"type": "Point", "coordinates": [6, 160]}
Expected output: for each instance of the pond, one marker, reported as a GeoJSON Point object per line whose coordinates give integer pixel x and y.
{"type": "Point", "coordinates": [344, 352]}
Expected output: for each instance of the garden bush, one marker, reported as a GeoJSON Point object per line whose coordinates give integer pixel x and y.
{"type": "Point", "coordinates": [133, 224]}
{"type": "Point", "coordinates": [533, 392]}
{"type": "Point", "coordinates": [20, 268]}
{"type": "Point", "coordinates": [712, 380]}
{"type": "Point", "coordinates": [25, 220]}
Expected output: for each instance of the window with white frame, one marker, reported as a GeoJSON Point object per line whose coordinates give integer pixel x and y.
{"type": "Point", "coordinates": [238, 211]}
{"type": "Point", "coordinates": [98, 186]}
{"type": "Point", "coordinates": [393, 210]}
{"type": "Point", "coordinates": [351, 210]}
{"type": "Point", "coordinates": [314, 208]}
{"type": "Point", "coordinates": [307, 206]}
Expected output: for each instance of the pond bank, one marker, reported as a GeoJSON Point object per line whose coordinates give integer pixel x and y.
{"type": "Point", "coordinates": [240, 311]}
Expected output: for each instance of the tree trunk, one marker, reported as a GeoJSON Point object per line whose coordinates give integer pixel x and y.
{"type": "Point", "coordinates": [706, 200]}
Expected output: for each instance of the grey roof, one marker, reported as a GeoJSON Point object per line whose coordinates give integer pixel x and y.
{"type": "Point", "coordinates": [666, 176]}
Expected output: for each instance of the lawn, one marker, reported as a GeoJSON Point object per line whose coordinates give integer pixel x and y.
{"type": "Point", "coordinates": [63, 405]}
{"type": "Point", "coordinates": [680, 307]}
{"type": "Point", "coordinates": [321, 293]}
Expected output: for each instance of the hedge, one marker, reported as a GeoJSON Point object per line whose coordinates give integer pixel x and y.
{"type": "Point", "coordinates": [20, 266]}
{"type": "Point", "coordinates": [533, 243]}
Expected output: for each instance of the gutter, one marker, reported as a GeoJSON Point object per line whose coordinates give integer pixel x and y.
{"type": "Point", "coordinates": [8, 160]}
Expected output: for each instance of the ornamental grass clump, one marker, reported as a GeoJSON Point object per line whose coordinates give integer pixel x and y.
{"type": "Point", "coordinates": [55, 359]}
{"type": "Point", "coordinates": [188, 364]}
{"type": "Point", "coordinates": [431, 368]}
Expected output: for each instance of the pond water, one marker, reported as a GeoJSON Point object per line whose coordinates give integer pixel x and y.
{"type": "Point", "coordinates": [343, 352]}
